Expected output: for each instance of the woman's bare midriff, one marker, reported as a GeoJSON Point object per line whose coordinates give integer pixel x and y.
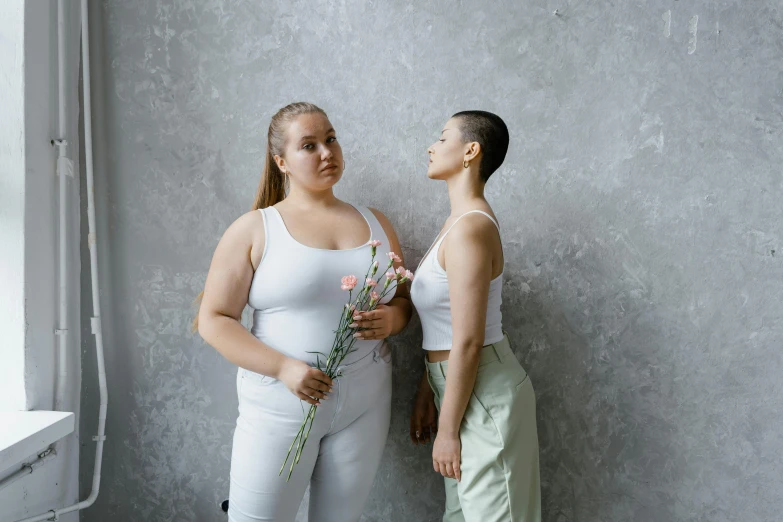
{"type": "Point", "coordinates": [436, 356]}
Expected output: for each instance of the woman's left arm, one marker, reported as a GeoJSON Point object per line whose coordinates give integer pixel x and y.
{"type": "Point", "coordinates": [469, 267]}
{"type": "Point", "coordinates": [392, 318]}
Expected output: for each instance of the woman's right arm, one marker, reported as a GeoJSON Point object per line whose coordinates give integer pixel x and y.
{"type": "Point", "coordinates": [225, 296]}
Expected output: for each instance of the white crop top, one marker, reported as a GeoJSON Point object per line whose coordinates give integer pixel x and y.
{"type": "Point", "coordinates": [430, 296]}
{"type": "Point", "coordinates": [296, 290]}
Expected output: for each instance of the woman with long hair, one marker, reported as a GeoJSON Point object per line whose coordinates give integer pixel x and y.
{"type": "Point", "coordinates": [486, 444]}
{"type": "Point", "coordinates": [286, 259]}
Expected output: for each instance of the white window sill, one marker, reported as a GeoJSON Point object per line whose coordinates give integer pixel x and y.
{"type": "Point", "coordinates": [23, 434]}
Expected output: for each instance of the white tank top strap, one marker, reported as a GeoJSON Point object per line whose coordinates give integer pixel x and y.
{"type": "Point", "coordinates": [376, 229]}
{"type": "Point", "coordinates": [265, 219]}
{"type": "Point", "coordinates": [465, 214]}
{"type": "Point", "coordinates": [486, 214]}
{"type": "Point", "coordinates": [277, 235]}
{"type": "Point", "coordinates": [435, 246]}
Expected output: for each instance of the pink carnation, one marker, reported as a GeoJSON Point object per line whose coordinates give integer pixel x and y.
{"type": "Point", "coordinates": [394, 257]}
{"type": "Point", "coordinates": [375, 243]}
{"type": "Point", "coordinates": [400, 270]}
{"type": "Point", "coordinates": [408, 275]}
{"type": "Point", "coordinates": [391, 274]}
{"type": "Point", "coordinates": [374, 296]}
{"type": "Point", "coordinates": [349, 282]}
{"type": "Point", "coordinates": [371, 282]}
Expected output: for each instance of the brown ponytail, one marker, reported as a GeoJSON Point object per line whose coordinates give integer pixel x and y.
{"type": "Point", "coordinates": [271, 188]}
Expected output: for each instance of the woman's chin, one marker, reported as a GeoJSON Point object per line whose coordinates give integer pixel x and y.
{"type": "Point", "coordinates": [434, 174]}
{"type": "Point", "coordinates": [330, 178]}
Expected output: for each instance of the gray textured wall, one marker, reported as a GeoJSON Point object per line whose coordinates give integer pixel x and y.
{"type": "Point", "coordinates": [640, 204]}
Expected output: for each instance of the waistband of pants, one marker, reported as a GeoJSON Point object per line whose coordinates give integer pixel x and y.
{"type": "Point", "coordinates": [490, 353]}
{"type": "Point", "coordinates": [377, 354]}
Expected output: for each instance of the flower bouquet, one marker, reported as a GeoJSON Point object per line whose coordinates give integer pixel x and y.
{"type": "Point", "coordinates": [366, 299]}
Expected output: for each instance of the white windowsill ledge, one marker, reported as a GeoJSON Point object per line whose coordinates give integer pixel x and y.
{"type": "Point", "coordinates": [23, 434]}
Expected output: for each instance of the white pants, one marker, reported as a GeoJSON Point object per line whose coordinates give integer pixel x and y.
{"type": "Point", "coordinates": [340, 458]}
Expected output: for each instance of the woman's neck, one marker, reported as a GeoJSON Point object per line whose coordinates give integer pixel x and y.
{"type": "Point", "coordinates": [466, 192]}
{"type": "Point", "coordinates": [308, 200]}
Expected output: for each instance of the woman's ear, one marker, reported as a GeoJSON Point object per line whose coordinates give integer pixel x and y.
{"type": "Point", "coordinates": [280, 163]}
{"type": "Point", "coordinates": [473, 150]}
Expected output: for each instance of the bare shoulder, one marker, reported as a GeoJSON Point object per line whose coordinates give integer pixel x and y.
{"type": "Point", "coordinates": [473, 246]}
{"type": "Point", "coordinates": [473, 229]}
{"type": "Point", "coordinates": [246, 234]}
{"type": "Point", "coordinates": [246, 225]}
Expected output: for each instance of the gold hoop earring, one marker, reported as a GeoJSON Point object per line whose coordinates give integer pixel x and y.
{"type": "Point", "coordinates": [465, 164]}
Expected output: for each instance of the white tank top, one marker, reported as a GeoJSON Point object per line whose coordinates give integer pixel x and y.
{"type": "Point", "coordinates": [296, 290]}
{"type": "Point", "coordinates": [430, 296]}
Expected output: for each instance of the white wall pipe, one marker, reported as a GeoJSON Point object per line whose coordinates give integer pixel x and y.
{"type": "Point", "coordinates": [63, 170]}
{"type": "Point", "coordinates": [95, 321]}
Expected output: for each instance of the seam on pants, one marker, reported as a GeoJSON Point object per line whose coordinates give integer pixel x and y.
{"type": "Point", "coordinates": [430, 381]}
{"type": "Point", "coordinates": [336, 410]}
{"type": "Point", "coordinates": [506, 471]}
{"type": "Point", "coordinates": [491, 418]}
{"type": "Point", "coordinates": [502, 456]}
{"type": "Point", "coordinates": [353, 368]}
{"type": "Point", "coordinates": [508, 496]}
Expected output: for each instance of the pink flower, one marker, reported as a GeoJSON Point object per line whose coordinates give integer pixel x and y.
{"type": "Point", "coordinates": [375, 243]}
{"type": "Point", "coordinates": [371, 282]}
{"type": "Point", "coordinates": [400, 270]}
{"type": "Point", "coordinates": [374, 297]}
{"type": "Point", "coordinates": [391, 274]}
{"type": "Point", "coordinates": [407, 276]}
{"type": "Point", "coordinates": [394, 257]}
{"type": "Point", "coordinates": [349, 282]}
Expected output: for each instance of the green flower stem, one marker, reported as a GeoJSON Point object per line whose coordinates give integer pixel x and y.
{"type": "Point", "coordinates": [338, 352]}
{"type": "Point", "coordinates": [290, 449]}
{"type": "Point", "coordinates": [304, 435]}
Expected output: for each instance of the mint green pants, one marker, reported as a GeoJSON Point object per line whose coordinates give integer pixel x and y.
{"type": "Point", "coordinates": [500, 478]}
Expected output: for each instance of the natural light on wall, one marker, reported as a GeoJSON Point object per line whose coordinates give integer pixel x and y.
{"type": "Point", "coordinates": [12, 167]}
